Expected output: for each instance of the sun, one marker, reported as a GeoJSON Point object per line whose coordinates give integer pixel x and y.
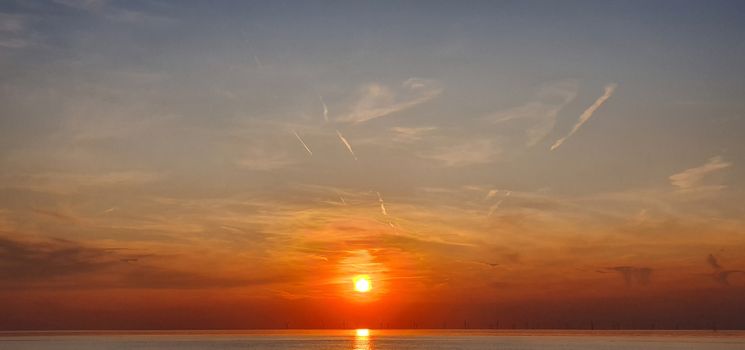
{"type": "Point", "coordinates": [362, 283]}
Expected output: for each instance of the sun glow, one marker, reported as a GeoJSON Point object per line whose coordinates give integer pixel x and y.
{"type": "Point", "coordinates": [362, 283]}
{"type": "Point", "coordinates": [364, 332]}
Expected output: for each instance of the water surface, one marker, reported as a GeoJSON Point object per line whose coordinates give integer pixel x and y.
{"type": "Point", "coordinates": [375, 339]}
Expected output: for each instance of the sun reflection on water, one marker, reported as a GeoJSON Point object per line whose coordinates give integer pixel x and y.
{"type": "Point", "coordinates": [362, 339]}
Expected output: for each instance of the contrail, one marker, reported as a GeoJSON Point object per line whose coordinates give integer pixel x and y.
{"type": "Point", "coordinates": [250, 48]}
{"type": "Point", "coordinates": [494, 207]}
{"type": "Point", "coordinates": [720, 274]}
{"type": "Point", "coordinates": [632, 274]}
{"type": "Point", "coordinates": [346, 143]}
{"type": "Point", "coordinates": [303, 142]}
{"type": "Point", "coordinates": [492, 265]}
{"type": "Point", "coordinates": [258, 62]}
{"type": "Point", "coordinates": [587, 114]}
{"type": "Point", "coordinates": [713, 262]}
{"type": "Point", "coordinates": [325, 108]}
{"type": "Point", "coordinates": [382, 204]}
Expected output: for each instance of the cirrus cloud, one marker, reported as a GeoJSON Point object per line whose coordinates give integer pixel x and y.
{"type": "Point", "coordinates": [378, 100]}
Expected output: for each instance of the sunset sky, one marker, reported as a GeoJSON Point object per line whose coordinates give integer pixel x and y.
{"type": "Point", "coordinates": [234, 164]}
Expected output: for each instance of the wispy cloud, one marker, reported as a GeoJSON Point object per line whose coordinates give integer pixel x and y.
{"type": "Point", "coordinates": [538, 117]}
{"type": "Point", "coordinates": [66, 183]}
{"type": "Point", "coordinates": [346, 143]}
{"type": "Point", "coordinates": [12, 23]}
{"type": "Point", "coordinates": [111, 11]}
{"type": "Point", "coordinates": [469, 153]}
{"type": "Point", "coordinates": [409, 135]}
{"type": "Point", "coordinates": [137, 17]}
{"type": "Point", "coordinates": [112, 209]}
{"type": "Point", "coordinates": [378, 100]}
{"type": "Point", "coordinates": [263, 160]}
{"type": "Point", "coordinates": [633, 275]}
{"type": "Point", "coordinates": [84, 127]}
{"type": "Point", "coordinates": [691, 178]}
{"type": "Point", "coordinates": [302, 142]}
{"type": "Point", "coordinates": [14, 32]}
{"type": "Point", "coordinates": [14, 43]}
{"type": "Point", "coordinates": [587, 114]}
{"type": "Point", "coordinates": [87, 5]}
{"type": "Point", "coordinates": [494, 207]}
{"type": "Point", "coordinates": [382, 205]}
{"type": "Point", "coordinates": [325, 108]}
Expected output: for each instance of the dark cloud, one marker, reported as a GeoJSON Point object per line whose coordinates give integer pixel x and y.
{"type": "Point", "coordinates": [492, 265]}
{"type": "Point", "coordinates": [153, 278]}
{"type": "Point", "coordinates": [633, 275]}
{"type": "Point", "coordinates": [720, 274]}
{"type": "Point", "coordinates": [57, 263]}
{"type": "Point", "coordinates": [712, 260]}
{"type": "Point", "coordinates": [57, 215]}
{"type": "Point", "coordinates": [42, 259]}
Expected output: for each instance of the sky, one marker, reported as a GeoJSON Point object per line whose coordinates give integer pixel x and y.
{"type": "Point", "coordinates": [235, 164]}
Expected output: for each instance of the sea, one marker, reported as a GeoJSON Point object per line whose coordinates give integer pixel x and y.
{"type": "Point", "coordinates": [365, 339]}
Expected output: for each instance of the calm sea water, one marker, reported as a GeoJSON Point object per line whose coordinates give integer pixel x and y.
{"type": "Point", "coordinates": [376, 339]}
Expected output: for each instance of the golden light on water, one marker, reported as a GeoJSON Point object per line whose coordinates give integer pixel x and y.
{"type": "Point", "coordinates": [362, 340]}
{"type": "Point", "coordinates": [362, 283]}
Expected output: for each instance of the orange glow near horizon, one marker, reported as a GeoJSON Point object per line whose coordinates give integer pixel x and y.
{"type": "Point", "coordinates": [362, 284]}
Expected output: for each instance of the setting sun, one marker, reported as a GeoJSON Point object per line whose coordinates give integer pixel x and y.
{"type": "Point", "coordinates": [362, 284]}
